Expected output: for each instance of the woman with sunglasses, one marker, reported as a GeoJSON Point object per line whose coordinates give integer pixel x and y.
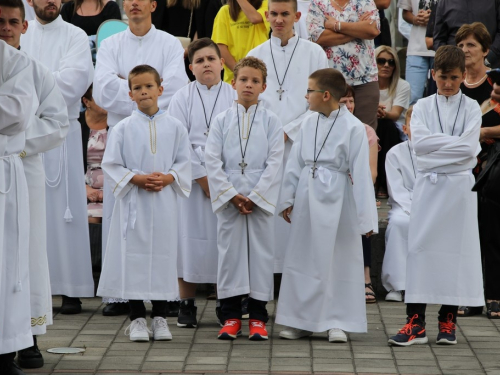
{"type": "Point", "coordinates": [394, 101]}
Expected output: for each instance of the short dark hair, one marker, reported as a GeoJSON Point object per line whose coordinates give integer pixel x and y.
{"type": "Point", "coordinates": [448, 58]}
{"type": "Point", "coordinates": [330, 80]}
{"type": "Point", "coordinates": [349, 92]}
{"type": "Point", "coordinates": [478, 31]}
{"type": "Point", "coordinates": [294, 3]}
{"type": "Point", "coordinates": [88, 93]}
{"type": "Point", "coordinates": [14, 4]}
{"type": "Point", "coordinates": [201, 43]}
{"type": "Point", "coordinates": [251, 62]}
{"type": "Point", "coordinates": [142, 69]}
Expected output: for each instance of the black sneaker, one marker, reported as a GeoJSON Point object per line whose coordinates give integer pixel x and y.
{"type": "Point", "coordinates": [30, 357]}
{"type": "Point", "coordinates": [218, 313]}
{"type": "Point", "coordinates": [172, 309]}
{"type": "Point", "coordinates": [413, 333]}
{"type": "Point", "coordinates": [446, 335]}
{"type": "Point", "coordinates": [71, 305]}
{"type": "Point", "coordinates": [187, 314]}
{"type": "Point", "coordinates": [116, 309]}
{"type": "Point", "coordinates": [244, 309]}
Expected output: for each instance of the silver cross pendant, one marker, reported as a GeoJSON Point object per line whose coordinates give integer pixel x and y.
{"type": "Point", "coordinates": [280, 91]}
{"type": "Point", "coordinates": [314, 170]}
{"type": "Point", "coordinates": [243, 165]}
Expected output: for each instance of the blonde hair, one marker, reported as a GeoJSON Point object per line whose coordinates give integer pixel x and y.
{"type": "Point", "coordinates": [393, 83]}
{"type": "Point", "coordinates": [186, 4]}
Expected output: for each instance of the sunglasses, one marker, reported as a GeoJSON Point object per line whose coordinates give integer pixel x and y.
{"type": "Point", "coordinates": [382, 61]}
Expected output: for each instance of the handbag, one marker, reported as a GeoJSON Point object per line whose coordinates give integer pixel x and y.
{"type": "Point", "coordinates": [186, 40]}
{"type": "Point", "coordinates": [488, 181]}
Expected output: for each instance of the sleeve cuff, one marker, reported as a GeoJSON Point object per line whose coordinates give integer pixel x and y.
{"type": "Point", "coordinates": [220, 202]}
{"type": "Point", "coordinates": [123, 186]}
{"type": "Point", "coordinates": [260, 201]}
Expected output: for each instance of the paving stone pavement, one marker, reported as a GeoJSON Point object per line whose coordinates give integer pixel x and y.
{"type": "Point", "coordinates": [197, 351]}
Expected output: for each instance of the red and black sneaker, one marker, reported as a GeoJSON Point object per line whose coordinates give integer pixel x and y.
{"type": "Point", "coordinates": [446, 335]}
{"type": "Point", "coordinates": [413, 333]}
{"type": "Point", "coordinates": [231, 330]}
{"type": "Point", "coordinates": [258, 330]}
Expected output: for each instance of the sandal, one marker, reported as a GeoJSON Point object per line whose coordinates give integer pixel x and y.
{"type": "Point", "coordinates": [372, 293]}
{"type": "Point", "coordinates": [377, 202]}
{"type": "Point", "coordinates": [464, 311]}
{"type": "Point", "coordinates": [492, 307]}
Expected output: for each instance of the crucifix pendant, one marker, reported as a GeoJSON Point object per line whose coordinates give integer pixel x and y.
{"type": "Point", "coordinates": [206, 133]}
{"type": "Point", "coordinates": [314, 170]}
{"type": "Point", "coordinates": [243, 166]}
{"type": "Point", "coordinates": [280, 91]}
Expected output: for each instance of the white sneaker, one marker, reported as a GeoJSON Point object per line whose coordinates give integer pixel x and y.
{"type": "Point", "coordinates": [336, 335]}
{"type": "Point", "coordinates": [294, 333]}
{"type": "Point", "coordinates": [394, 296]}
{"type": "Point", "coordinates": [160, 329]}
{"type": "Point", "coordinates": [138, 330]}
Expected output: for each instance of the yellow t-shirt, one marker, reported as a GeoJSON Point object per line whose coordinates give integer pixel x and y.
{"type": "Point", "coordinates": [240, 36]}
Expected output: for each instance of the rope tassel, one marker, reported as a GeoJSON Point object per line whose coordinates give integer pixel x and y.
{"type": "Point", "coordinates": [67, 215]}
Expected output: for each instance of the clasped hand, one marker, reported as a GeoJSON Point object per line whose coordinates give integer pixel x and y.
{"type": "Point", "coordinates": [154, 182]}
{"type": "Point", "coordinates": [243, 204]}
{"type": "Point", "coordinates": [331, 22]}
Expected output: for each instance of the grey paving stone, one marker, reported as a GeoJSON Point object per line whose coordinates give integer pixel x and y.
{"type": "Point", "coordinates": [325, 367]}
{"type": "Point", "coordinates": [290, 369]}
{"type": "Point", "coordinates": [419, 370]}
{"type": "Point", "coordinates": [162, 366]}
{"type": "Point", "coordinates": [372, 370]}
{"type": "Point", "coordinates": [166, 358]}
{"type": "Point", "coordinates": [77, 365]}
{"type": "Point", "coordinates": [205, 368]}
{"type": "Point", "coordinates": [290, 361]}
{"type": "Point", "coordinates": [248, 366]}
{"type": "Point", "coordinates": [206, 360]}
{"type": "Point", "coordinates": [340, 361]}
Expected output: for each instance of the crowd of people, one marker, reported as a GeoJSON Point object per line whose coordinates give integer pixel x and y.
{"type": "Point", "coordinates": [249, 150]}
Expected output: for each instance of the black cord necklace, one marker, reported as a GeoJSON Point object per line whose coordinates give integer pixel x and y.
{"type": "Point", "coordinates": [213, 108]}
{"type": "Point", "coordinates": [315, 159]}
{"type": "Point", "coordinates": [439, 116]}
{"type": "Point", "coordinates": [244, 152]}
{"type": "Point", "coordinates": [281, 91]}
{"type": "Point", "coordinates": [411, 158]}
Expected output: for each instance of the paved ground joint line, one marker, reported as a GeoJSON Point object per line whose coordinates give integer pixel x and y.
{"type": "Point", "coordinates": [470, 346]}
{"type": "Point", "coordinates": [351, 349]}
{"type": "Point", "coordinates": [271, 338]}
{"type": "Point", "coordinates": [194, 337]}
{"type": "Point", "coordinates": [387, 336]}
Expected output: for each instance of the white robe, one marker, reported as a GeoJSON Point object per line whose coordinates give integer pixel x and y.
{"type": "Point", "coordinates": [197, 254]}
{"type": "Point", "coordinates": [16, 95]}
{"type": "Point", "coordinates": [322, 285]}
{"type": "Point", "coordinates": [401, 170]}
{"type": "Point", "coordinates": [444, 260]}
{"type": "Point", "coordinates": [64, 50]}
{"type": "Point", "coordinates": [245, 243]}
{"type": "Point", "coordinates": [292, 108]}
{"type": "Point", "coordinates": [116, 57]}
{"type": "Point", "coordinates": [47, 129]}
{"type": "Point", "coordinates": [141, 258]}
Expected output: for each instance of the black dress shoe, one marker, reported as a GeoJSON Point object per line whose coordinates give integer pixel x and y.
{"type": "Point", "coordinates": [10, 368]}
{"type": "Point", "coordinates": [30, 357]}
{"type": "Point", "coordinates": [71, 305]}
{"type": "Point", "coordinates": [116, 309]}
{"type": "Point", "coordinates": [173, 308]}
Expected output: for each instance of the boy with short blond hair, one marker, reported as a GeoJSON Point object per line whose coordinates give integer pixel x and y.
{"type": "Point", "coordinates": [443, 236]}
{"type": "Point", "coordinates": [147, 161]}
{"type": "Point", "coordinates": [243, 157]}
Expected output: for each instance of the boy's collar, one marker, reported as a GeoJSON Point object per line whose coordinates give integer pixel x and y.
{"type": "Point", "coordinates": [277, 41]}
{"type": "Point", "coordinates": [333, 114]}
{"type": "Point", "coordinates": [253, 107]}
{"type": "Point", "coordinates": [451, 98]}
{"type": "Point", "coordinates": [160, 111]}
{"type": "Point", "coordinates": [201, 86]}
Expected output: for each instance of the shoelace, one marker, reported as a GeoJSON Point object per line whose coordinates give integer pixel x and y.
{"type": "Point", "coordinates": [136, 324]}
{"type": "Point", "coordinates": [257, 324]}
{"type": "Point", "coordinates": [230, 323]}
{"type": "Point", "coordinates": [408, 327]}
{"type": "Point", "coordinates": [447, 326]}
{"type": "Point", "coordinates": [160, 323]}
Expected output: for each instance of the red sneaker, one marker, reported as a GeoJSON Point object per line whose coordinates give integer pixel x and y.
{"type": "Point", "coordinates": [231, 330]}
{"type": "Point", "coordinates": [258, 330]}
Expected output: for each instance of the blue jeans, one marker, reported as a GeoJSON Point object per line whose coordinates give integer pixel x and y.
{"type": "Point", "coordinates": [417, 68]}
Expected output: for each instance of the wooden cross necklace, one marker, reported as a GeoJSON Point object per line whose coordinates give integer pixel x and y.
{"type": "Point", "coordinates": [315, 157]}
{"type": "Point", "coordinates": [281, 91]}
{"type": "Point", "coordinates": [243, 165]}
{"type": "Point", "coordinates": [207, 122]}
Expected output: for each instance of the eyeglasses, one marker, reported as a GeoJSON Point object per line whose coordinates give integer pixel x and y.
{"type": "Point", "coordinates": [310, 91]}
{"type": "Point", "coordinates": [382, 61]}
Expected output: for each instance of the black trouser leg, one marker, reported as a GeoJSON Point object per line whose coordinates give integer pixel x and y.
{"type": "Point", "coordinates": [137, 309]}
{"type": "Point", "coordinates": [159, 309]}
{"type": "Point", "coordinates": [445, 311]}
{"type": "Point", "coordinates": [489, 223]}
{"type": "Point", "coordinates": [7, 357]}
{"type": "Point", "coordinates": [413, 309]}
{"type": "Point", "coordinates": [230, 308]}
{"type": "Point", "coordinates": [257, 310]}
{"type": "Point", "coordinates": [367, 250]}
{"type": "Point", "coordinates": [389, 136]}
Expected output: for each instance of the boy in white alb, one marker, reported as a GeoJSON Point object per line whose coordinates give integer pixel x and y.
{"type": "Point", "coordinates": [401, 171]}
{"type": "Point", "coordinates": [196, 105]}
{"type": "Point", "coordinates": [290, 61]}
{"type": "Point", "coordinates": [328, 185]}
{"type": "Point", "coordinates": [244, 156]}
{"type": "Point", "coordinates": [147, 159]}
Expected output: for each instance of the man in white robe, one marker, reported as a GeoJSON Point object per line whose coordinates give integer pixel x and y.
{"type": "Point", "coordinates": [401, 171]}
{"type": "Point", "coordinates": [140, 44]}
{"type": "Point", "coordinates": [47, 129]}
{"type": "Point", "coordinates": [64, 50]}
{"type": "Point", "coordinates": [443, 236]}
{"type": "Point", "coordinates": [290, 61]}
{"type": "Point", "coordinates": [331, 194]}
{"type": "Point", "coordinates": [16, 96]}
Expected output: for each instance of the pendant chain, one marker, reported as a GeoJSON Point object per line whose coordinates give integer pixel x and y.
{"type": "Point", "coordinates": [207, 123]}
{"type": "Point", "coordinates": [315, 157]}
{"type": "Point", "coordinates": [456, 117]}
{"type": "Point", "coordinates": [280, 91]}
{"type": "Point", "coordinates": [244, 152]}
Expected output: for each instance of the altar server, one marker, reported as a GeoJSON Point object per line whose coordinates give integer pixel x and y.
{"type": "Point", "coordinates": [243, 157]}
{"type": "Point", "coordinates": [290, 61]}
{"type": "Point", "coordinates": [64, 50]}
{"type": "Point", "coordinates": [443, 237]}
{"type": "Point", "coordinates": [147, 160]}
{"type": "Point", "coordinates": [195, 106]}
{"type": "Point", "coordinates": [327, 194]}
{"type": "Point", "coordinates": [16, 96]}
{"type": "Point", "coordinates": [401, 171]}
{"type": "Point", "coordinates": [47, 129]}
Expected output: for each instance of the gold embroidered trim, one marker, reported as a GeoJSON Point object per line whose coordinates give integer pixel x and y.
{"type": "Point", "coordinates": [177, 178]}
{"type": "Point", "coordinates": [152, 138]}
{"type": "Point", "coordinates": [118, 184]}
{"type": "Point", "coordinates": [40, 321]}
{"type": "Point", "coordinates": [265, 200]}
{"type": "Point", "coordinates": [245, 131]}
{"type": "Point", "coordinates": [221, 194]}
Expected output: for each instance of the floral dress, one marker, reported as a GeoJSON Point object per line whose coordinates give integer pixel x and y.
{"type": "Point", "coordinates": [355, 59]}
{"type": "Point", "coordinates": [94, 176]}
